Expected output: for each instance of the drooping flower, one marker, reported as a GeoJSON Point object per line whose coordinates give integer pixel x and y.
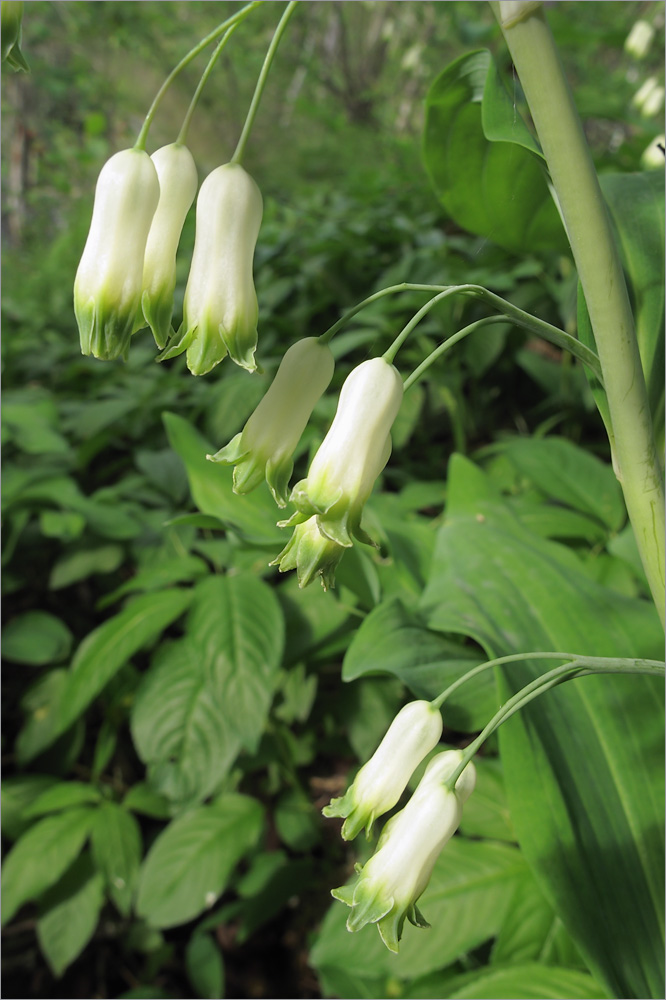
{"type": "Point", "coordinates": [311, 554]}
{"type": "Point", "coordinates": [107, 288]}
{"type": "Point", "coordinates": [387, 889]}
{"type": "Point", "coordinates": [177, 174]}
{"type": "Point", "coordinates": [352, 455]}
{"type": "Point", "coordinates": [414, 732]}
{"type": "Point", "coordinates": [11, 16]}
{"type": "Point", "coordinates": [266, 445]}
{"type": "Point", "coordinates": [220, 309]}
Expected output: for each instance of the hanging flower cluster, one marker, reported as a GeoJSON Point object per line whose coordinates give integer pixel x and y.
{"type": "Point", "coordinates": [127, 275]}
{"type": "Point", "coordinates": [385, 891]}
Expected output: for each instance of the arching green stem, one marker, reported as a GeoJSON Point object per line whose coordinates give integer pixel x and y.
{"type": "Point", "coordinates": [182, 135]}
{"type": "Point", "coordinates": [261, 82]}
{"type": "Point", "coordinates": [404, 286]}
{"type": "Point", "coordinates": [580, 667]}
{"type": "Point", "coordinates": [489, 664]}
{"type": "Point", "coordinates": [185, 61]}
{"type": "Point", "coordinates": [447, 345]}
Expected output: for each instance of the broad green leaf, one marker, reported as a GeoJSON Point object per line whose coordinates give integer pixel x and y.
{"type": "Point", "coordinates": [532, 932]}
{"type": "Point", "coordinates": [486, 813]}
{"type": "Point", "coordinates": [570, 476]}
{"type": "Point", "coordinates": [70, 911]}
{"type": "Point", "coordinates": [109, 647]}
{"type": "Point", "coordinates": [77, 565]}
{"type": "Point", "coordinates": [117, 852]}
{"type": "Point", "coordinates": [207, 696]}
{"type": "Point", "coordinates": [253, 516]}
{"type": "Point", "coordinates": [36, 638]}
{"type": "Point", "coordinates": [205, 968]}
{"type": "Point", "coordinates": [16, 794]}
{"type": "Point", "coordinates": [394, 640]}
{"type": "Point", "coordinates": [466, 902]}
{"type": "Point", "coordinates": [62, 796]}
{"type": "Point", "coordinates": [583, 777]}
{"type": "Point", "coordinates": [32, 420]}
{"type": "Point", "coordinates": [518, 982]}
{"type": "Point", "coordinates": [183, 569]}
{"type": "Point", "coordinates": [189, 864]}
{"type": "Point", "coordinates": [145, 800]}
{"type": "Point", "coordinates": [41, 855]}
{"type": "Point", "coordinates": [41, 704]}
{"type": "Point", "coordinates": [482, 162]}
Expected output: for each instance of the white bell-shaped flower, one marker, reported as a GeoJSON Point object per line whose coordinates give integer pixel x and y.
{"type": "Point", "coordinates": [414, 732]}
{"type": "Point", "coordinates": [107, 288]}
{"type": "Point", "coordinates": [265, 446]}
{"type": "Point", "coordinates": [387, 888]}
{"type": "Point", "coordinates": [220, 309]}
{"type": "Point", "coordinates": [177, 174]}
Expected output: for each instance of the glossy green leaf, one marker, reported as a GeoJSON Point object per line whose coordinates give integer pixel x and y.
{"type": "Point", "coordinates": [481, 160]}
{"type": "Point", "coordinates": [190, 862]}
{"type": "Point", "coordinates": [583, 777]}
{"type": "Point", "coordinates": [70, 911]}
{"type": "Point", "coordinates": [62, 796]}
{"type": "Point", "coordinates": [205, 968]}
{"type": "Point", "coordinates": [109, 647]}
{"type": "Point", "coordinates": [518, 982]}
{"type": "Point", "coordinates": [394, 640]}
{"type": "Point", "coordinates": [254, 516]}
{"type": "Point", "coordinates": [17, 793]}
{"type": "Point", "coordinates": [486, 813]}
{"type": "Point", "coordinates": [36, 638]}
{"type": "Point", "coordinates": [182, 569]}
{"type": "Point", "coordinates": [117, 851]}
{"type": "Point", "coordinates": [41, 856]}
{"type": "Point", "coordinates": [207, 696]}
{"type": "Point", "coordinates": [77, 565]}
{"type": "Point", "coordinates": [569, 475]}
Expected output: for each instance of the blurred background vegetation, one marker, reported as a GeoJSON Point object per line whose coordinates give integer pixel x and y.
{"type": "Point", "coordinates": [89, 478]}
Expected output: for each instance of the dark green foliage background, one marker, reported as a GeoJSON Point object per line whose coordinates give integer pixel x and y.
{"type": "Point", "coordinates": [203, 724]}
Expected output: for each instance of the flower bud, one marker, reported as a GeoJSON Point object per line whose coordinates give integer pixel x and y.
{"type": "Point", "coordinates": [639, 39]}
{"type": "Point", "coordinates": [107, 289]}
{"type": "Point", "coordinates": [11, 16]}
{"type": "Point", "coordinates": [388, 887]}
{"type": "Point", "coordinates": [649, 98]}
{"type": "Point", "coordinates": [310, 553]}
{"type": "Point", "coordinates": [177, 174]}
{"type": "Point", "coordinates": [379, 784]}
{"type": "Point", "coordinates": [220, 310]}
{"type": "Point", "coordinates": [267, 443]}
{"type": "Point", "coordinates": [352, 455]}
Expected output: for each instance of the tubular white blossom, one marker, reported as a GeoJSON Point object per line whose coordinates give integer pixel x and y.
{"type": "Point", "coordinates": [220, 310]}
{"type": "Point", "coordinates": [414, 732]}
{"type": "Point", "coordinates": [107, 288]}
{"type": "Point", "coordinates": [388, 887]}
{"type": "Point", "coordinates": [353, 453]}
{"type": "Point", "coordinates": [177, 174]}
{"type": "Point", "coordinates": [267, 443]}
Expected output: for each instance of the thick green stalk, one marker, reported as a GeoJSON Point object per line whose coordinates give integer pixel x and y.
{"type": "Point", "coordinates": [560, 133]}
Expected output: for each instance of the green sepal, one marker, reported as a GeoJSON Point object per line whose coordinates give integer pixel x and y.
{"type": "Point", "coordinates": [345, 893]}
{"type": "Point", "coordinates": [369, 909]}
{"type": "Point", "coordinates": [240, 354]}
{"type": "Point", "coordinates": [278, 475]}
{"type": "Point", "coordinates": [178, 343]}
{"type": "Point", "coordinates": [309, 560]}
{"type": "Point", "coordinates": [206, 349]}
{"type": "Point", "coordinates": [103, 333]}
{"type": "Point", "coordinates": [415, 917]}
{"type": "Point", "coordinates": [231, 453]}
{"type": "Point", "coordinates": [157, 314]}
